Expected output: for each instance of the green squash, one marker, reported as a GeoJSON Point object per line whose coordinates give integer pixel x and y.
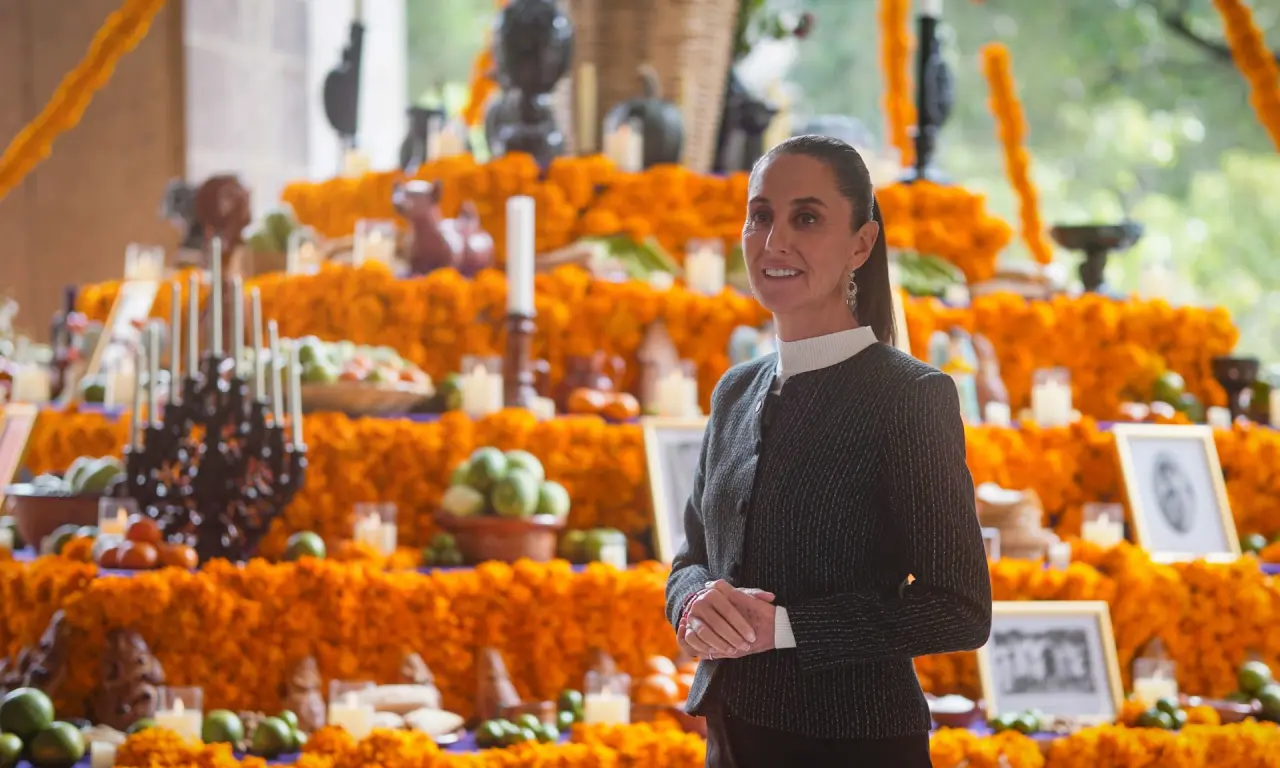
{"type": "Point", "coordinates": [660, 121]}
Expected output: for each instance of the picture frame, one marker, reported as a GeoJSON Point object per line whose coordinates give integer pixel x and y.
{"type": "Point", "coordinates": [17, 420]}
{"type": "Point", "coordinates": [672, 448]}
{"type": "Point", "coordinates": [1055, 656]}
{"type": "Point", "coordinates": [133, 304]}
{"type": "Point", "coordinates": [1177, 496]}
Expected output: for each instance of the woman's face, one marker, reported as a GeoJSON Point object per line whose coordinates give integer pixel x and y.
{"type": "Point", "coordinates": [798, 241]}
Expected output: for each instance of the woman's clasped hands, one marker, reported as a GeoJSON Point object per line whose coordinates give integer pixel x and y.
{"type": "Point", "coordinates": [727, 622]}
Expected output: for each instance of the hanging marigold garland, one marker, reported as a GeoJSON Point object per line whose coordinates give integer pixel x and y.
{"type": "Point", "coordinates": [1255, 61]}
{"type": "Point", "coordinates": [1011, 127]}
{"type": "Point", "coordinates": [895, 60]}
{"type": "Point", "coordinates": [121, 33]}
{"type": "Point", "coordinates": [482, 85]}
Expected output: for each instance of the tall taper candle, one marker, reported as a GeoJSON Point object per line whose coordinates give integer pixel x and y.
{"type": "Point", "coordinates": [295, 394]}
{"type": "Point", "coordinates": [193, 325]}
{"type": "Point", "coordinates": [273, 340]}
{"type": "Point", "coordinates": [175, 341]}
{"type": "Point", "coordinates": [520, 255]}
{"type": "Point", "coordinates": [255, 317]}
{"type": "Point", "coordinates": [237, 321]}
{"type": "Point", "coordinates": [153, 371]}
{"type": "Point", "coordinates": [136, 416]}
{"type": "Point", "coordinates": [215, 328]}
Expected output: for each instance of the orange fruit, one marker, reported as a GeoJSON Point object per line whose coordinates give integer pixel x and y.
{"type": "Point", "coordinates": [621, 406]}
{"type": "Point", "coordinates": [660, 665]}
{"type": "Point", "coordinates": [179, 556]}
{"type": "Point", "coordinates": [657, 690]}
{"type": "Point", "coordinates": [138, 555]}
{"type": "Point", "coordinates": [110, 558]}
{"type": "Point", "coordinates": [143, 530]}
{"type": "Point", "coordinates": [583, 400]}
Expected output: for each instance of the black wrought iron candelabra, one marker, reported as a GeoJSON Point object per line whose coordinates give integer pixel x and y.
{"type": "Point", "coordinates": [935, 95]}
{"type": "Point", "coordinates": [217, 468]}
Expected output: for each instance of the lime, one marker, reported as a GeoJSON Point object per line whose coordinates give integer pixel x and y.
{"type": "Point", "coordinates": [489, 734]}
{"type": "Point", "coordinates": [58, 746]}
{"type": "Point", "coordinates": [60, 536]}
{"type": "Point", "coordinates": [573, 546]}
{"type": "Point", "coordinates": [1168, 705]}
{"type": "Point", "coordinates": [1027, 723]}
{"type": "Point", "coordinates": [527, 462]}
{"type": "Point", "coordinates": [553, 499]}
{"type": "Point", "coordinates": [1253, 543]}
{"type": "Point", "coordinates": [10, 750]}
{"type": "Point", "coordinates": [548, 734]}
{"type": "Point", "coordinates": [1253, 676]}
{"type": "Point", "coordinates": [570, 701]}
{"type": "Point", "coordinates": [463, 501]}
{"type": "Point", "coordinates": [485, 468]}
{"type": "Point", "coordinates": [1179, 719]}
{"type": "Point", "coordinates": [25, 712]}
{"type": "Point", "coordinates": [1168, 388]}
{"type": "Point", "coordinates": [1154, 718]}
{"type": "Point", "coordinates": [1269, 701]}
{"type": "Point", "coordinates": [141, 724]}
{"type": "Point", "coordinates": [1004, 722]}
{"type": "Point", "coordinates": [515, 495]}
{"type": "Point", "coordinates": [289, 718]}
{"type": "Point", "coordinates": [519, 735]}
{"type": "Point", "coordinates": [442, 541]}
{"type": "Point", "coordinates": [565, 720]}
{"type": "Point", "coordinates": [222, 727]}
{"type": "Point", "coordinates": [272, 738]}
{"type": "Point", "coordinates": [304, 544]}
{"type": "Point", "coordinates": [449, 558]}
{"type": "Point", "coordinates": [528, 721]}
{"type": "Point", "coordinates": [459, 476]}
{"type": "Point", "coordinates": [299, 740]}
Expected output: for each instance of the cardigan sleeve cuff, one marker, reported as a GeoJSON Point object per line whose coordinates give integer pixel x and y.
{"type": "Point", "coordinates": [783, 637]}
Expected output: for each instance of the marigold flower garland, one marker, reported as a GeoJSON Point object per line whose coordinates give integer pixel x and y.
{"type": "Point", "coordinates": [895, 64]}
{"type": "Point", "coordinates": [1255, 61]}
{"type": "Point", "coordinates": [121, 33]}
{"type": "Point", "coordinates": [1011, 127]}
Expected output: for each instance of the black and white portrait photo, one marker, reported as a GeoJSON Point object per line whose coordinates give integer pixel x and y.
{"type": "Point", "coordinates": [1177, 498]}
{"type": "Point", "coordinates": [1057, 657]}
{"type": "Point", "coordinates": [672, 447]}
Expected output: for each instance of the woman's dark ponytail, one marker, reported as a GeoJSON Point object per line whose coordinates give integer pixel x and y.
{"type": "Point", "coordinates": [875, 294]}
{"type": "Point", "coordinates": [875, 298]}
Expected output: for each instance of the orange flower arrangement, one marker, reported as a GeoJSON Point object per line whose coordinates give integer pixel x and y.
{"type": "Point", "coordinates": [1011, 127]}
{"type": "Point", "coordinates": [121, 33]}
{"type": "Point", "coordinates": [895, 63]}
{"type": "Point", "coordinates": [951, 223]}
{"type": "Point", "coordinates": [1229, 746]}
{"type": "Point", "coordinates": [482, 85]}
{"type": "Point", "coordinates": [1255, 61]}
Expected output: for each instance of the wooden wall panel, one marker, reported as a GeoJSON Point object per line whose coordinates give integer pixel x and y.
{"type": "Point", "coordinates": [101, 188]}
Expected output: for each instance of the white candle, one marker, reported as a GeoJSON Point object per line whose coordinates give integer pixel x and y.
{"type": "Point", "coordinates": [352, 715]}
{"type": "Point", "coordinates": [608, 708]}
{"type": "Point", "coordinates": [931, 8]}
{"type": "Point", "coordinates": [175, 341]}
{"type": "Point", "coordinates": [1274, 406]}
{"type": "Point", "coordinates": [102, 755]}
{"type": "Point", "coordinates": [481, 392]}
{"type": "Point", "coordinates": [1051, 403]}
{"type": "Point", "coordinates": [1218, 417]}
{"type": "Point", "coordinates": [237, 321]}
{"type": "Point", "coordinates": [31, 384]}
{"type": "Point", "coordinates": [135, 415]}
{"type": "Point", "coordinates": [997, 414]}
{"type": "Point", "coordinates": [215, 330]}
{"type": "Point", "coordinates": [153, 373]}
{"type": "Point", "coordinates": [677, 395]}
{"type": "Point", "coordinates": [193, 324]}
{"type": "Point", "coordinates": [1103, 531]}
{"type": "Point", "coordinates": [1149, 690]}
{"type": "Point", "coordinates": [295, 395]}
{"type": "Point", "coordinates": [377, 534]}
{"type": "Point", "coordinates": [255, 317]}
{"type": "Point", "coordinates": [521, 243]}
{"type": "Point", "coordinates": [1058, 555]}
{"type": "Point", "coordinates": [185, 722]}
{"type": "Point", "coordinates": [704, 272]}
{"type": "Point", "coordinates": [587, 90]}
{"type": "Point", "coordinates": [113, 525]}
{"type": "Point", "coordinates": [273, 357]}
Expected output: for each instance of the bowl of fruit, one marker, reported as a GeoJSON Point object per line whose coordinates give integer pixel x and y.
{"type": "Point", "coordinates": [50, 502]}
{"type": "Point", "coordinates": [500, 506]}
{"type": "Point", "coordinates": [359, 380]}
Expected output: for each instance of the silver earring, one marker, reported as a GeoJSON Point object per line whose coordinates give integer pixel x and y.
{"type": "Point", "coordinates": [851, 294]}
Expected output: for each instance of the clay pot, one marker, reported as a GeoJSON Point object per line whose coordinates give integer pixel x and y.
{"type": "Point", "coordinates": [39, 514]}
{"type": "Point", "coordinates": [506, 539]}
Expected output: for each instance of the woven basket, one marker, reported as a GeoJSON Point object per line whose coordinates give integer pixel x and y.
{"type": "Point", "coordinates": [689, 43]}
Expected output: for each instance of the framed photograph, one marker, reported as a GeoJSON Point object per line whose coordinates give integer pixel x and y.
{"type": "Point", "coordinates": [16, 422]}
{"type": "Point", "coordinates": [671, 449]}
{"type": "Point", "coordinates": [132, 306]}
{"type": "Point", "coordinates": [1177, 497]}
{"type": "Point", "coordinates": [1055, 656]}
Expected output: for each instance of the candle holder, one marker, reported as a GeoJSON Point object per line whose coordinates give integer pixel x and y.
{"type": "Point", "coordinates": [1235, 374]}
{"type": "Point", "coordinates": [1096, 241]}
{"type": "Point", "coordinates": [935, 94]}
{"type": "Point", "coordinates": [375, 526]}
{"type": "Point", "coordinates": [216, 469]}
{"type": "Point", "coordinates": [518, 376]}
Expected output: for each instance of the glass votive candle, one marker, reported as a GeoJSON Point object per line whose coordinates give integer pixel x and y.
{"type": "Point", "coordinates": [114, 514]}
{"type": "Point", "coordinates": [102, 754]}
{"type": "Point", "coordinates": [1058, 555]}
{"type": "Point", "coordinates": [349, 709]}
{"type": "Point", "coordinates": [607, 698]}
{"type": "Point", "coordinates": [1103, 524]}
{"type": "Point", "coordinates": [375, 526]}
{"type": "Point", "coordinates": [1051, 397]}
{"type": "Point", "coordinates": [375, 241]}
{"type": "Point", "coordinates": [303, 254]}
{"type": "Point", "coordinates": [1154, 679]}
{"type": "Point", "coordinates": [181, 710]}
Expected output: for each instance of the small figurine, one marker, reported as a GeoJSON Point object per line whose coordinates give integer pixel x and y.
{"type": "Point", "coordinates": [127, 689]}
{"type": "Point", "coordinates": [301, 695]}
{"type": "Point", "coordinates": [438, 242]}
{"type": "Point", "coordinates": [43, 665]}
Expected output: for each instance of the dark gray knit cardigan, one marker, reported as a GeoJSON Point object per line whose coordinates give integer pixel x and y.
{"type": "Point", "coordinates": [860, 482]}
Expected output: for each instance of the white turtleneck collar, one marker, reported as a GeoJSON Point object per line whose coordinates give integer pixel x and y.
{"type": "Point", "coordinates": [804, 355]}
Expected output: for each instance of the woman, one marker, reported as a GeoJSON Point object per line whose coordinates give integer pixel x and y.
{"type": "Point", "coordinates": [831, 532]}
